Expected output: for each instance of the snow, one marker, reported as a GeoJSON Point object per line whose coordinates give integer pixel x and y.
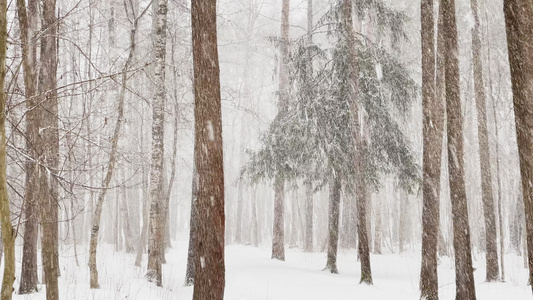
{"type": "Point", "coordinates": [251, 274]}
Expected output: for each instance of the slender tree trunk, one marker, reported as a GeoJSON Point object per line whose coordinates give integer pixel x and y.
{"type": "Point", "coordinates": [377, 228]}
{"type": "Point", "coordinates": [189, 274]}
{"type": "Point", "coordinates": [278, 233]}
{"type": "Point", "coordinates": [333, 232]}
{"type": "Point", "coordinates": [8, 234]}
{"type": "Point", "coordinates": [125, 216]}
{"type": "Point", "coordinates": [359, 146]}
{"type": "Point", "coordinates": [157, 196]}
{"type": "Point", "coordinates": [464, 276]}
{"type": "Point", "coordinates": [484, 152]}
{"type": "Point", "coordinates": [308, 217]}
{"type": "Point", "coordinates": [209, 280]}
{"type": "Point", "coordinates": [255, 225]}
{"type": "Point", "coordinates": [519, 26]}
{"type": "Point", "coordinates": [27, 24]}
{"type": "Point", "coordinates": [433, 113]}
{"type": "Point", "coordinates": [95, 222]}
{"type": "Point", "coordinates": [48, 149]}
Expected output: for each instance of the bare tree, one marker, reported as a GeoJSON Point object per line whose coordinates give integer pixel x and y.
{"type": "Point", "coordinates": [519, 27]}
{"type": "Point", "coordinates": [8, 234]}
{"type": "Point", "coordinates": [464, 273]}
{"type": "Point", "coordinates": [157, 197]}
{"type": "Point", "coordinates": [47, 147]}
{"type": "Point", "coordinates": [28, 23]}
{"type": "Point", "coordinates": [492, 272]}
{"type": "Point", "coordinates": [95, 228]}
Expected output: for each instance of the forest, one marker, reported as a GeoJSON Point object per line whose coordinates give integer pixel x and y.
{"type": "Point", "coordinates": [266, 149]}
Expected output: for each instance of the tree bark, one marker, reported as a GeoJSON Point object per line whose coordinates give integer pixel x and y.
{"type": "Point", "coordinates": [333, 227]}
{"type": "Point", "coordinates": [433, 114]}
{"type": "Point", "coordinates": [308, 247]}
{"type": "Point", "coordinates": [464, 276]}
{"type": "Point", "coordinates": [278, 233]}
{"type": "Point", "coordinates": [378, 235]}
{"type": "Point", "coordinates": [157, 197]}
{"type": "Point", "coordinates": [359, 146]}
{"type": "Point", "coordinates": [189, 274]}
{"type": "Point", "coordinates": [95, 222]}
{"type": "Point", "coordinates": [492, 272]}
{"type": "Point", "coordinates": [209, 280]}
{"type": "Point", "coordinates": [48, 148]}
{"type": "Point", "coordinates": [27, 23]}
{"type": "Point", "coordinates": [519, 27]}
{"type": "Point", "coordinates": [8, 234]}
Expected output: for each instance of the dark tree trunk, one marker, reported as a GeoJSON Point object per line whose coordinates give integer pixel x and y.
{"type": "Point", "coordinates": [464, 273]}
{"type": "Point", "coordinates": [359, 146]}
{"type": "Point", "coordinates": [519, 27]}
{"type": "Point", "coordinates": [209, 279]}
{"type": "Point", "coordinates": [48, 149]}
{"type": "Point", "coordinates": [27, 23]}
{"type": "Point", "coordinates": [333, 232]}
{"type": "Point", "coordinates": [433, 111]}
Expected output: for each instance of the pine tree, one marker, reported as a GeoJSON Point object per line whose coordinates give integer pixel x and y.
{"type": "Point", "coordinates": [209, 277]}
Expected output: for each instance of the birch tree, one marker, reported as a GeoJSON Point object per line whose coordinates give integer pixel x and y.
{"type": "Point", "coordinates": [157, 196]}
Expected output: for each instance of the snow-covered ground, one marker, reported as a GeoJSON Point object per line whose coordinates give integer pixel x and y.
{"type": "Point", "coordinates": [251, 274]}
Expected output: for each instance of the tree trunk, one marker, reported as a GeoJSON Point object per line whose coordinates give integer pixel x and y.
{"type": "Point", "coordinates": [95, 222]}
{"type": "Point", "coordinates": [209, 277]}
{"type": "Point", "coordinates": [308, 217]}
{"type": "Point", "coordinates": [189, 274]}
{"type": "Point", "coordinates": [48, 148]}
{"type": "Point", "coordinates": [8, 234]}
{"type": "Point", "coordinates": [28, 23]}
{"type": "Point", "coordinates": [254, 227]}
{"type": "Point", "coordinates": [484, 152]}
{"type": "Point", "coordinates": [125, 216]}
{"type": "Point", "coordinates": [377, 228]}
{"type": "Point", "coordinates": [157, 197]}
{"type": "Point", "coordinates": [464, 276]}
{"type": "Point", "coordinates": [278, 233]}
{"type": "Point", "coordinates": [333, 227]}
{"type": "Point", "coordinates": [359, 146]}
{"type": "Point", "coordinates": [519, 27]}
{"type": "Point", "coordinates": [433, 113]}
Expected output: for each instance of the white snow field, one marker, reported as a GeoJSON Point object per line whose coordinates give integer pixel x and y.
{"type": "Point", "coordinates": [252, 275]}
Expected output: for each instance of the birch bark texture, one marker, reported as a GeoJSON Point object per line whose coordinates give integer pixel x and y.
{"type": "Point", "coordinates": [209, 280]}
{"type": "Point", "coordinates": [156, 232]}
